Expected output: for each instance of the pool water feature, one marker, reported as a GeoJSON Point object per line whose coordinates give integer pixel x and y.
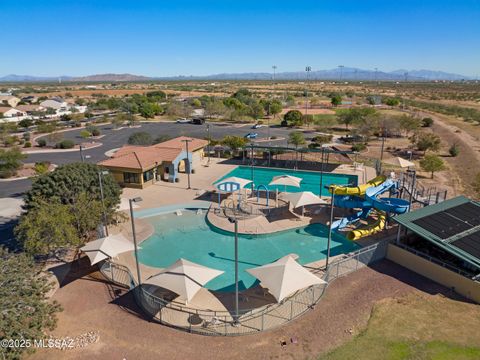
{"type": "Point", "coordinates": [310, 179]}
{"type": "Point", "coordinates": [189, 236]}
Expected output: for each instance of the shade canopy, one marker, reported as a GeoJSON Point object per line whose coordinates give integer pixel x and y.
{"type": "Point", "coordinates": [226, 184]}
{"type": "Point", "coordinates": [125, 205]}
{"type": "Point", "coordinates": [284, 277]}
{"type": "Point", "coordinates": [302, 198]}
{"type": "Point", "coordinates": [398, 161]}
{"type": "Point", "coordinates": [107, 247]}
{"type": "Point", "coordinates": [184, 278]}
{"type": "Point", "coordinates": [286, 180]}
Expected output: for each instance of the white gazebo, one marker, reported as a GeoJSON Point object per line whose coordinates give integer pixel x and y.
{"type": "Point", "coordinates": [107, 247]}
{"type": "Point", "coordinates": [184, 278]}
{"type": "Point", "coordinates": [284, 277]}
{"type": "Point", "coordinates": [301, 199]}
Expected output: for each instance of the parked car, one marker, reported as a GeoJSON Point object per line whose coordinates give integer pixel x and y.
{"type": "Point", "coordinates": [257, 126]}
{"type": "Point", "coordinates": [251, 136]}
{"type": "Point", "coordinates": [183, 121]}
{"type": "Point", "coordinates": [198, 121]}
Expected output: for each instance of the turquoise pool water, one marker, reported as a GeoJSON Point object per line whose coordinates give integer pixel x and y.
{"type": "Point", "coordinates": [190, 237]}
{"type": "Point", "coordinates": [310, 182]}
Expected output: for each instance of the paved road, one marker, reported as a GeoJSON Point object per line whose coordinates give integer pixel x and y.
{"type": "Point", "coordinates": [116, 138]}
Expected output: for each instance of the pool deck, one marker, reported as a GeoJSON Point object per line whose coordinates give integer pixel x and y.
{"type": "Point", "coordinates": [164, 194]}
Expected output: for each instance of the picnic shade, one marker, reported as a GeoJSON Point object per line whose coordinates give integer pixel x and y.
{"type": "Point", "coordinates": [223, 185]}
{"type": "Point", "coordinates": [184, 278]}
{"type": "Point", "coordinates": [125, 205]}
{"type": "Point", "coordinates": [284, 277]}
{"type": "Point", "coordinates": [401, 162]}
{"type": "Point", "coordinates": [107, 247]}
{"type": "Point", "coordinates": [285, 180]}
{"type": "Point", "coordinates": [302, 199]}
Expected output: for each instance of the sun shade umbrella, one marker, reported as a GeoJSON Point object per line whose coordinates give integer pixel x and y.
{"type": "Point", "coordinates": [107, 247]}
{"type": "Point", "coordinates": [398, 161]}
{"type": "Point", "coordinates": [285, 180]}
{"type": "Point", "coordinates": [302, 199]}
{"type": "Point", "coordinates": [184, 278]}
{"type": "Point", "coordinates": [284, 277]}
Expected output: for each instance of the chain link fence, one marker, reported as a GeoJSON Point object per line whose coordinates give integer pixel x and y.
{"type": "Point", "coordinates": [222, 323]}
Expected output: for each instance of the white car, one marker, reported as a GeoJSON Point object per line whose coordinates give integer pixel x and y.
{"type": "Point", "coordinates": [183, 121]}
{"type": "Point", "coordinates": [257, 126]}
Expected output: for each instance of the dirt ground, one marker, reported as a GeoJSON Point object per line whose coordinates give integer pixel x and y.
{"type": "Point", "coordinates": [90, 305]}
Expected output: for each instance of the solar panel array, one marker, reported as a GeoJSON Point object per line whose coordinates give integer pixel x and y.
{"type": "Point", "coordinates": [469, 244]}
{"type": "Point", "coordinates": [452, 221]}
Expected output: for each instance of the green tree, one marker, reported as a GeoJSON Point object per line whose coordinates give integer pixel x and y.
{"type": "Point", "coordinates": [296, 138]}
{"type": "Point", "coordinates": [87, 212]}
{"type": "Point", "coordinates": [25, 123]}
{"type": "Point", "coordinates": [196, 103]}
{"type": "Point", "coordinates": [149, 110]}
{"type": "Point", "coordinates": [234, 142]}
{"type": "Point", "coordinates": [391, 101]}
{"type": "Point", "coordinates": [85, 134]}
{"type": "Point", "coordinates": [26, 311]}
{"type": "Point", "coordinates": [256, 111]}
{"type": "Point", "coordinates": [426, 141]}
{"type": "Point", "coordinates": [409, 123]}
{"type": "Point", "coordinates": [215, 108]}
{"type": "Point", "coordinates": [10, 161]}
{"type": "Point", "coordinates": [292, 118]}
{"type": "Point", "coordinates": [432, 163]}
{"type": "Point", "coordinates": [355, 116]}
{"type": "Point", "coordinates": [67, 182]}
{"type": "Point", "coordinates": [336, 99]}
{"type": "Point", "coordinates": [140, 138]}
{"type": "Point", "coordinates": [47, 228]}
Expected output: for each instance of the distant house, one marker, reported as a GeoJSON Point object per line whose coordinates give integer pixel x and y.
{"type": "Point", "coordinates": [140, 166]}
{"type": "Point", "coordinates": [30, 109]}
{"type": "Point", "coordinates": [30, 99]}
{"type": "Point", "coordinates": [55, 103]}
{"type": "Point", "coordinates": [9, 100]}
{"type": "Point", "coordinates": [12, 114]}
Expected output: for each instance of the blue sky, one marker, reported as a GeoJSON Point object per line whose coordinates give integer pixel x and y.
{"type": "Point", "coordinates": [161, 38]}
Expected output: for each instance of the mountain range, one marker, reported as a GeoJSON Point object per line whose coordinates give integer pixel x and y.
{"type": "Point", "coordinates": [340, 73]}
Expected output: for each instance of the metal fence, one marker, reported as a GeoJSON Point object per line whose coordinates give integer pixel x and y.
{"type": "Point", "coordinates": [209, 322]}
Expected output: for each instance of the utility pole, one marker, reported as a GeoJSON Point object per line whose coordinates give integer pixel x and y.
{"type": "Point", "coordinates": [186, 141]}
{"type": "Point", "coordinates": [307, 69]}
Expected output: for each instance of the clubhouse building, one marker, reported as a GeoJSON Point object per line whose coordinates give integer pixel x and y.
{"type": "Point", "coordinates": [140, 166]}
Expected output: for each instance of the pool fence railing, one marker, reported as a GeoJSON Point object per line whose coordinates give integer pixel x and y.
{"type": "Point", "coordinates": [220, 323]}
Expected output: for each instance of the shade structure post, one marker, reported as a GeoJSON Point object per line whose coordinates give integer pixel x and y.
{"type": "Point", "coordinates": [103, 203]}
{"type": "Point", "coordinates": [330, 229]}
{"type": "Point", "coordinates": [236, 271]}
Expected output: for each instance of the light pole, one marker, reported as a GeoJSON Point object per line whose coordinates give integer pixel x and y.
{"type": "Point", "coordinates": [209, 144]}
{"type": "Point", "coordinates": [186, 141]}
{"type": "Point", "coordinates": [307, 69]}
{"type": "Point", "coordinates": [100, 175]}
{"type": "Point", "coordinates": [81, 154]}
{"type": "Point", "coordinates": [321, 171]}
{"type": "Point", "coordinates": [381, 151]}
{"type": "Point", "coordinates": [332, 198]}
{"type": "Point", "coordinates": [251, 165]}
{"type": "Point", "coordinates": [235, 222]}
{"type": "Point", "coordinates": [131, 201]}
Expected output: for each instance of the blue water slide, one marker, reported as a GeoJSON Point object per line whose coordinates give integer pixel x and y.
{"type": "Point", "coordinates": [387, 204]}
{"type": "Point", "coordinates": [343, 222]}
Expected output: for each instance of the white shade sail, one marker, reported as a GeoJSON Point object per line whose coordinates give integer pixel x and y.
{"type": "Point", "coordinates": [184, 278]}
{"type": "Point", "coordinates": [125, 205]}
{"type": "Point", "coordinates": [398, 161]}
{"type": "Point", "coordinates": [284, 277]}
{"type": "Point", "coordinates": [225, 184]}
{"type": "Point", "coordinates": [286, 180]}
{"type": "Point", "coordinates": [302, 198]}
{"type": "Point", "coordinates": [107, 247]}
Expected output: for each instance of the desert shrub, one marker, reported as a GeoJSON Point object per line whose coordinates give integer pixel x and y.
{"type": "Point", "coordinates": [454, 150]}
{"type": "Point", "coordinates": [427, 122]}
{"type": "Point", "coordinates": [359, 147]}
{"type": "Point", "coordinates": [65, 144]}
{"type": "Point", "coordinates": [42, 142]}
{"type": "Point", "coordinates": [27, 144]}
{"type": "Point", "coordinates": [41, 167]}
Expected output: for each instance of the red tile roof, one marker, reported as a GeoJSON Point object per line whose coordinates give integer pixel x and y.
{"type": "Point", "coordinates": [144, 157]}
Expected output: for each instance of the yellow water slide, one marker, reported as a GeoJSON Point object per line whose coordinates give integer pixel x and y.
{"type": "Point", "coordinates": [377, 226]}
{"type": "Point", "coordinates": [357, 190]}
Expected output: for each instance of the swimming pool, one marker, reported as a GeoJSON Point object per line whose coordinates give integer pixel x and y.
{"type": "Point", "coordinates": [189, 236]}
{"type": "Point", "coordinates": [310, 182]}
